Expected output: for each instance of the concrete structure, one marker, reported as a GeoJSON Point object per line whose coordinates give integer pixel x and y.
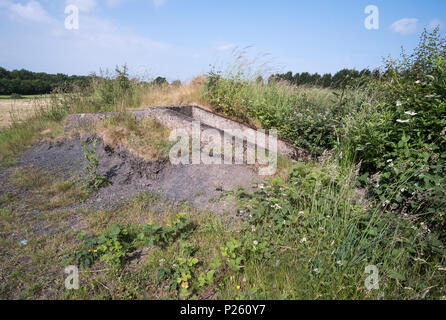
{"type": "Point", "coordinates": [182, 117]}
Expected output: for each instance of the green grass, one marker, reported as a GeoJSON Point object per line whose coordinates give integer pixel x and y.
{"type": "Point", "coordinates": [270, 260]}
{"type": "Point", "coordinates": [47, 192]}
{"type": "Point", "coordinates": [33, 96]}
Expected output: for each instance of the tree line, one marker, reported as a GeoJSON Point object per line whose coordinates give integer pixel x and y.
{"type": "Point", "coordinates": [25, 82]}
{"type": "Point", "coordinates": [338, 80]}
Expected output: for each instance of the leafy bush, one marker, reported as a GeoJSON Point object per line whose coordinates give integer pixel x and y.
{"type": "Point", "coordinates": [155, 235]}
{"type": "Point", "coordinates": [114, 245]}
{"type": "Point", "coordinates": [111, 247]}
{"type": "Point", "coordinates": [402, 141]}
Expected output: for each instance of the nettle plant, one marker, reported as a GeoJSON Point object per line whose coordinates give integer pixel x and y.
{"type": "Point", "coordinates": [402, 144]}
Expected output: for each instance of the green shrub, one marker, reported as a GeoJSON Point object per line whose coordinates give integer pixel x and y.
{"type": "Point", "coordinates": [113, 246]}
{"type": "Point", "coordinates": [402, 141]}
{"type": "Point", "coordinates": [94, 180]}
{"type": "Point", "coordinates": [309, 118]}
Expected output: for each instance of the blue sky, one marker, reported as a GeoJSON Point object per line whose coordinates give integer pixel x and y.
{"type": "Point", "coordinates": [182, 38]}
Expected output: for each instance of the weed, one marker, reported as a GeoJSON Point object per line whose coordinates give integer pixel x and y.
{"type": "Point", "coordinates": [94, 180]}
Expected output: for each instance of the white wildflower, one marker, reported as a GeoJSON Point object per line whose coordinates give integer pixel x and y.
{"type": "Point", "coordinates": [339, 263]}
{"type": "Point", "coordinates": [255, 242]}
{"type": "Point", "coordinates": [418, 81]}
{"type": "Point", "coordinates": [410, 113]}
{"type": "Point", "coordinates": [390, 160]}
{"type": "Point", "coordinates": [403, 121]}
{"type": "Point", "coordinates": [253, 229]}
{"type": "Point", "coordinates": [399, 104]}
{"type": "Point", "coordinates": [316, 270]}
{"type": "Point", "coordinates": [304, 239]}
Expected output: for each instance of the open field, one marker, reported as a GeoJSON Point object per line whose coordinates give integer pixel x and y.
{"type": "Point", "coordinates": [18, 109]}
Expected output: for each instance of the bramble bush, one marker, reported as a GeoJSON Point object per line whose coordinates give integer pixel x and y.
{"type": "Point", "coordinates": [402, 142]}
{"type": "Point", "coordinates": [113, 246]}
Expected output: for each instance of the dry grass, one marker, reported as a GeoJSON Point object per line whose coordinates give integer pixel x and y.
{"type": "Point", "coordinates": [147, 139]}
{"type": "Point", "coordinates": [185, 94]}
{"type": "Point", "coordinates": [46, 191]}
{"type": "Point", "coordinates": [18, 110]}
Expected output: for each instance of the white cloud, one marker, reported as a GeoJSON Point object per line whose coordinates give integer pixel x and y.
{"type": "Point", "coordinates": [5, 3]}
{"type": "Point", "coordinates": [95, 33]}
{"type": "Point", "coordinates": [158, 3]}
{"type": "Point", "coordinates": [225, 47]}
{"type": "Point", "coordinates": [405, 26]}
{"type": "Point", "coordinates": [30, 12]}
{"type": "Point", "coordinates": [83, 5]}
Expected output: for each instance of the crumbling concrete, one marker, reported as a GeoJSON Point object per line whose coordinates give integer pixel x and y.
{"type": "Point", "coordinates": [182, 117]}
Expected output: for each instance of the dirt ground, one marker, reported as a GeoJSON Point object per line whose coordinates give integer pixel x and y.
{"type": "Point", "coordinates": [200, 185]}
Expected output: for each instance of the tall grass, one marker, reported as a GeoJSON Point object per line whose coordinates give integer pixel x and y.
{"type": "Point", "coordinates": [184, 94]}
{"type": "Point", "coordinates": [394, 229]}
{"type": "Point", "coordinates": [309, 117]}
{"type": "Point", "coordinates": [107, 93]}
{"type": "Point", "coordinates": [312, 235]}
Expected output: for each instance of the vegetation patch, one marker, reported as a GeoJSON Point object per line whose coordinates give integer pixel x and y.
{"type": "Point", "coordinates": [147, 139]}
{"type": "Point", "coordinates": [47, 191]}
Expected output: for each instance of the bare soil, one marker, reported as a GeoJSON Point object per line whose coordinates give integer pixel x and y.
{"type": "Point", "coordinates": [200, 185]}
